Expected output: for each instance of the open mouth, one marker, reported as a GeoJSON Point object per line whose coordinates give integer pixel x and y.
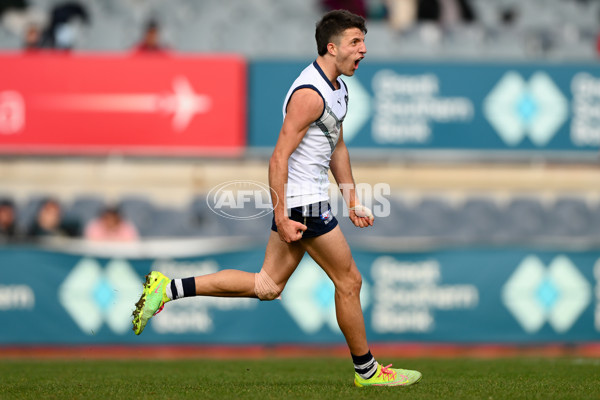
{"type": "Point", "coordinates": [356, 62]}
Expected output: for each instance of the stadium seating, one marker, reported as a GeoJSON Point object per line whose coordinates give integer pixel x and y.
{"type": "Point", "coordinates": [570, 216]}
{"type": "Point", "coordinates": [479, 219]}
{"type": "Point", "coordinates": [556, 29]}
{"type": "Point", "coordinates": [204, 222]}
{"type": "Point", "coordinates": [140, 211]}
{"type": "Point", "coordinates": [85, 207]}
{"type": "Point", "coordinates": [525, 218]}
{"type": "Point", "coordinates": [475, 221]}
{"type": "Point", "coordinates": [434, 216]}
{"type": "Point", "coordinates": [27, 211]}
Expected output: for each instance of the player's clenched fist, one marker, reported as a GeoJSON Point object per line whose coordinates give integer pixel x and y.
{"type": "Point", "coordinates": [361, 216]}
{"type": "Point", "coordinates": [290, 230]}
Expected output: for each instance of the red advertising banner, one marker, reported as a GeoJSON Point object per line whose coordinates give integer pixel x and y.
{"type": "Point", "coordinates": [133, 104]}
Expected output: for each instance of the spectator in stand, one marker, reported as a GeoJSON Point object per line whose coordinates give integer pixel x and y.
{"type": "Point", "coordinates": [438, 17]}
{"type": "Point", "coordinates": [357, 7]}
{"type": "Point", "coordinates": [17, 15]}
{"type": "Point", "coordinates": [151, 42]}
{"type": "Point", "coordinates": [402, 14]}
{"type": "Point", "coordinates": [50, 222]}
{"type": "Point", "coordinates": [445, 12]}
{"type": "Point", "coordinates": [7, 219]}
{"type": "Point", "coordinates": [65, 24]}
{"type": "Point", "coordinates": [598, 38]}
{"type": "Point", "coordinates": [33, 39]}
{"type": "Point", "coordinates": [111, 227]}
{"type": "Point", "coordinates": [432, 15]}
{"type": "Point", "coordinates": [12, 6]}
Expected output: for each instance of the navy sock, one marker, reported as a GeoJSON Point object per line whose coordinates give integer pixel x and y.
{"type": "Point", "coordinates": [181, 288]}
{"type": "Point", "coordinates": [365, 365]}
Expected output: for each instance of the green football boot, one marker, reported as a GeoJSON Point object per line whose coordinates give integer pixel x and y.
{"type": "Point", "coordinates": [152, 301]}
{"type": "Point", "coordinates": [386, 376]}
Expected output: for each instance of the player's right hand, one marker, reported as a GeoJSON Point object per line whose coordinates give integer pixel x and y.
{"type": "Point", "coordinates": [290, 231]}
{"type": "Point", "coordinates": [361, 216]}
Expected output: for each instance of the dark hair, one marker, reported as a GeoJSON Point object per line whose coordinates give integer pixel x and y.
{"type": "Point", "coordinates": [115, 210]}
{"type": "Point", "coordinates": [152, 24]}
{"type": "Point", "coordinates": [7, 203]}
{"type": "Point", "coordinates": [333, 24]}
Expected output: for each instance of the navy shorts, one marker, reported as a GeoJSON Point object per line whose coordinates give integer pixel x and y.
{"type": "Point", "coordinates": [317, 217]}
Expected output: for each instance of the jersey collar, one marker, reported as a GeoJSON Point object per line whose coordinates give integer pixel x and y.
{"type": "Point", "coordinates": [318, 68]}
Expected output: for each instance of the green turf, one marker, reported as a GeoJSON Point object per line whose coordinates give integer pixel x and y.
{"type": "Point", "coordinates": [330, 379]}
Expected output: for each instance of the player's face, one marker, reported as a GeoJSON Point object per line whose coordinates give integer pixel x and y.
{"type": "Point", "coordinates": [350, 51]}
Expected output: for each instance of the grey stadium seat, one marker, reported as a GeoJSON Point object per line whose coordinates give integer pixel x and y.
{"type": "Point", "coordinates": [434, 217]}
{"type": "Point", "coordinates": [526, 219]}
{"type": "Point", "coordinates": [479, 220]}
{"type": "Point", "coordinates": [85, 207]}
{"type": "Point", "coordinates": [570, 216]}
{"type": "Point", "coordinates": [140, 211]}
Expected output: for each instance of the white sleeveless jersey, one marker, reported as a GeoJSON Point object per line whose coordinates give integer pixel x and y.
{"type": "Point", "coordinates": [308, 166]}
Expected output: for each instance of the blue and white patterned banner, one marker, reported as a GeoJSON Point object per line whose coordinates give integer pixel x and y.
{"type": "Point", "coordinates": [454, 296]}
{"type": "Point", "coordinates": [450, 106]}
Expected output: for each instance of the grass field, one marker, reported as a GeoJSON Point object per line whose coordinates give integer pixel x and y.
{"type": "Point", "coordinates": [308, 378]}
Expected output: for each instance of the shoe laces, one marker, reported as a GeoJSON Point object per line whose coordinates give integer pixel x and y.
{"type": "Point", "coordinates": [387, 373]}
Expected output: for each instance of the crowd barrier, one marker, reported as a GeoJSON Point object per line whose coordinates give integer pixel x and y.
{"type": "Point", "coordinates": [78, 295]}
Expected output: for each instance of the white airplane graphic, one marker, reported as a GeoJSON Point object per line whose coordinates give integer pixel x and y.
{"type": "Point", "coordinates": [182, 102]}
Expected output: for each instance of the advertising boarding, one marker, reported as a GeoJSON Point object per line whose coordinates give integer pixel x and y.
{"type": "Point", "coordinates": [515, 295]}
{"type": "Point", "coordinates": [521, 108]}
{"type": "Point", "coordinates": [126, 104]}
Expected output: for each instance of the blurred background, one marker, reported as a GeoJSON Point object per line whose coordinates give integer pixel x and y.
{"type": "Point", "coordinates": [135, 135]}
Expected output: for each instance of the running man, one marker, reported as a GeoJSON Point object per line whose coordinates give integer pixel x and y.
{"type": "Point", "coordinates": [310, 143]}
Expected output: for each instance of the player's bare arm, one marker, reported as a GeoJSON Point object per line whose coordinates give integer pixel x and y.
{"type": "Point", "coordinates": [305, 107]}
{"type": "Point", "coordinates": [342, 172]}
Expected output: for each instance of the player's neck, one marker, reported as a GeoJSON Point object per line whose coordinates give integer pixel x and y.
{"type": "Point", "coordinates": [329, 69]}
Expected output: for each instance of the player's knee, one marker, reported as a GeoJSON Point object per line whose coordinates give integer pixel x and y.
{"type": "Point", "coordinates": [351, 284]}
{"type": "Point", "coordinates": [264, 287]}
{"type": "Point", "coordinates": [356, 280]}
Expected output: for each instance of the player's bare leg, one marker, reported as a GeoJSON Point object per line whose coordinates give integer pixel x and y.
{"type": "Point", "coordinates": [281, 260]}
{"type": "Point", "coordinates": [332, 253]}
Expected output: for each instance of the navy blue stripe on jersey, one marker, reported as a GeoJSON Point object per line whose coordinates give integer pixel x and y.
{"type": "Point", "coordinates": [308, 87]}
{"type": "Point", "coordinates": [323, 75]}
{"type": "Point", "coordinates": [345, 99]}
{"type": "Point", "coordinates": [344, 83]}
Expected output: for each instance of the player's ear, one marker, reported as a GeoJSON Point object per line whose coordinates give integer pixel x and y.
{"type": "Point", "coordinates": [332, 49]}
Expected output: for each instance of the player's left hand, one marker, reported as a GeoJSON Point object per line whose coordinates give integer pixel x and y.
{"type": "Point", "coordinates": [361, 216]}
